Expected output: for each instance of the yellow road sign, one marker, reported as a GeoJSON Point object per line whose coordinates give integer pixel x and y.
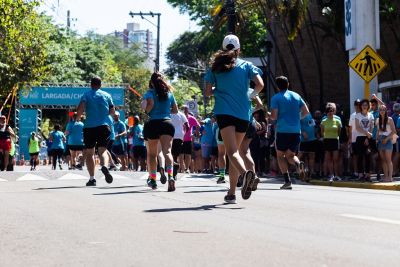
{"type": "Point", "coordinates": [367, 64]}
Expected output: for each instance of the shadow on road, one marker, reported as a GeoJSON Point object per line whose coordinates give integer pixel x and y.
{"type": "Point", "coordinates": [121, 193]}
{"type": "Point", "coordinates": [200, 208]}
{"type": "Point", "coordinates": [58, 187]}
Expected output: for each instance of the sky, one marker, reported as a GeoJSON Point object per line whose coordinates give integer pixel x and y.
{"type": "Point", "coordinates": [104, 17]}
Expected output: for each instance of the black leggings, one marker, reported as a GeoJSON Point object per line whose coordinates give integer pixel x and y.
{"type": "Point", "coordinates": [363, 155]}
{"type": "Point", "coordinates": [57, 154]}
{"type": "Point", "coordinates": [113, 156]}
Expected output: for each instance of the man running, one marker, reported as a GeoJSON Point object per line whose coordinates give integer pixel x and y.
{"type": "Point", "coordinates": [286, 106]}
{"type": "Point", "coordinates": [98, 105]}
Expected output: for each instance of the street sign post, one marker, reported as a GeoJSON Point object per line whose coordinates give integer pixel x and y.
{"type": "Point", "coordinates": [367, 64]}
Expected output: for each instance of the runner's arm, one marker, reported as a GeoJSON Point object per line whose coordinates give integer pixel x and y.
{"type": "Point", "coordinates": [208, 91]}
{"type": "Point", "coordinates": [80, 110]}
{"type": "Point", "coordinates": [259, 83]}
{"type": "Point", "coordinates": [174, 108]}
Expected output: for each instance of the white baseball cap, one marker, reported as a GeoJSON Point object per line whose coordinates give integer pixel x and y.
{"type": "Point", "coordinates": [231, 40]}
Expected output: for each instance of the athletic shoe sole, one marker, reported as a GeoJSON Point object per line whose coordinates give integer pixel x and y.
{"type": "Point", "coordinates": [107, 175]}
{"type": "Point", "coordinates": [163, 178]}
{"type": "Point", "coordinates": [255, 184]}
{"type": "Point", "coordinates": [248, 180]}
{"type": "Point", "coordinates": [171, 185]}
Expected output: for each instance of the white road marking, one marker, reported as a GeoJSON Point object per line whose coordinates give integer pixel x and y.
{"type": "Point", "coordinates": [3, 180]}
{"type": "Point", "coordinates": [72, 176]}
{"type": "Point", "coordinates": [117, 176]}
{"type": "Point", "coordinates": [370, 218]}
{"type": "Point", "coordinates": [31, 177]}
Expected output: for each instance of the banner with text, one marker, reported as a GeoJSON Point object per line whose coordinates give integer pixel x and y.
{"type": "Point", "coordinates": [65, 95]}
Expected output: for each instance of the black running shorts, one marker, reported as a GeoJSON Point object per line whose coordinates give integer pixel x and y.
{"type": "Point", "coordinates": [99, 136]}
{"type": "Point", "coordinates": [153, 129]}
{"type": "Point", "coordinates": [224, 121]}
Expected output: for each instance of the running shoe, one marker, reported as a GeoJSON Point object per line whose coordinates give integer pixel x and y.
{"type": "Point", "coordinates": [230, 199]}
{"type": "Point", "coordinates": [107, 175]}
{"type": "Point", "coordinates": [287, 186]}
{"type": "Point", "coordinates": [248, 182]}
{"type": "Point", "coordinates": [171, 185]}
{"type": "Point", "coordinates": [255, 184]}
{"type": "Point", "coordinates": [221, 180]}
{"type": "Point", "coordinates": [152, 183]}
{"type": "Point", "coordinates": [175, 170]}
{"type": "Point", "coordinates": [113, 168]}
{"type": "Point", "coordinates": [331, 178]}
{"type": "Point", "coordinates": [163, 178]}
{"type": "Point", "coordinates": [59, 165]}
{"type": "Point", "coordinates": [301, 171]}
{"type": "Point", "coordinates": [240, 181]}
{"type": "Point", "coordinates": [78, 166]}
{"type": "Point", "coordinates": [91, 183]}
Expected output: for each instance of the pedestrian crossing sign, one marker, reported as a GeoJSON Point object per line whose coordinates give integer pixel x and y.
{"type": "Point", "coordinates": [367, 64]}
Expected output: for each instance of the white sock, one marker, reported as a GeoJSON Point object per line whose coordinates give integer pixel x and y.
{"type": "Point", "coordinates": [91, 178]}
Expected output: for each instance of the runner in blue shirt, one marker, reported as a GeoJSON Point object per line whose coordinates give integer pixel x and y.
{"type": "Point", "coordinates": [138, 146]}
{"type": "Point", "coordinates": [74, 135]}
{"type": "Point", "coordinates": [98, 105]}
{"type": "Point", "coordinates": [119, 146]}
{"type": "Point", "coordinates": [57, 147]}
{"type": "Point", "coordinates": [229, 80]}
{"type": "Point", "coordinates": [287, 107]}
{"type": "Point", "coordinates": [160, 103]}
{"type": "Point", "coordinates": [309, 143]}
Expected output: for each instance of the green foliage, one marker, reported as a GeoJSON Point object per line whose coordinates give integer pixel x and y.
{"type": "Point", "coordinates": [185, 90]}
{"type": "Point", "coordinates": [23, 38]}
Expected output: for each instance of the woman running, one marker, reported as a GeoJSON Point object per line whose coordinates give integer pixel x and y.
{"type": "Point", "coordinates": [160, 103]}
{"type": "Point", "coordinates": [386, 130]}
{"type": "Point", "coordinates": [231, 77]}
{"type": "Point", "coordinates": [57, 147]}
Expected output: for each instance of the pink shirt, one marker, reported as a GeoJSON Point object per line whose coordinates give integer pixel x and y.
{"type": "Point", "coordinates": [192, 122]}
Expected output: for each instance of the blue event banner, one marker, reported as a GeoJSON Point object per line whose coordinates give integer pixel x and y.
{"type": "Point", "coordinates": [28, 123]}
{"type": "Point", "coordinates": [65, 95]}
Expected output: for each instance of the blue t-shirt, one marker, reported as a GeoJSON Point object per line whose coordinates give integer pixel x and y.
{"type": "Point", "coordinates": [57, 140]}
{"type": "Point", "coordinates": [375, 129]}
{"type": "Point", "coordinates": [75, 130]}
{"type": "Point", "coordinates": [98, 104]}
{"type": "Point", "coordinates": [119, 127]}
{"type": "Point", "coordinates": [161, 109]}
{"type": "Point", "coordinates": [308, 126]}
{"type": "Point", "coordinates": [110, 123]}
{"type": "Point", "coordinates": [288, 104]}
{"type": "Point", "coordinates": [137, 133]}
{"type": "Point", "coordinates": [231, 89]}
{"type": "Point", "coordinates": [207, 132]}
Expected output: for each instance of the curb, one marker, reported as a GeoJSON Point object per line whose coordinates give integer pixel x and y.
{"type": "Point", "coordinates": [377, 186]}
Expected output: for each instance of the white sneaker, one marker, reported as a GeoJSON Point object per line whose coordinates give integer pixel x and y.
{"type": "Point", "coordinates": [331, 178]}
{"type": "Point", "coordinates": [337, 178]}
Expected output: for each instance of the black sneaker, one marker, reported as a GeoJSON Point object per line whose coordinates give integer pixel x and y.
{"type": "Point", "coordinates": [171, 185]}
{"type": "Point", "coordinates": [287, 186]}
{"type": "Point", "coordinates": [163, 178]}
{"type": "Point", "coordinates": [221, 180]}
{"type": "Point", "coordinates": [248, 181]}
{"type": "Point", "coordinates": [240, 181]}
{"type": "Point", "coordinates": [152, 183]}
{"type": "Point", "coordinates": [78, 166]}
{"type": "Point", "coordinates": [107, 175]}
{"type": "Point", "coordinates": [91, 183]}
{"type": "Point", "coordinates": [230, 199]}
{"type": "Point", "coordinates": [255, 184]}
{"type": "Point", "coordinates": [112, 168]}
{"type": "Point", "coordinates": [60, 166]}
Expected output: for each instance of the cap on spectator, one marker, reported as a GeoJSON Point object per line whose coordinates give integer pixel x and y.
{"type": "Point", "coordinates": [357, 102]}
{"type": "Point", "coordinates": [396, 107]}
{"type": "Point", "coordinates": [116, 113]}
{"type": "Point", "coordinates": [231, 42]}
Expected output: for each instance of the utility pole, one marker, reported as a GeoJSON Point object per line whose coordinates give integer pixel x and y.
{"type": "Point", "coordinates": [231, 13]}
{"type": "Point", "coordinates": [68, 21]}
{"type": "Point", "coordinates": [152, 14]}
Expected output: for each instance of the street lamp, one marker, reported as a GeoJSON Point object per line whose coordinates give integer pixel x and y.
{"type": "Point", "coordinates": [152, 14]}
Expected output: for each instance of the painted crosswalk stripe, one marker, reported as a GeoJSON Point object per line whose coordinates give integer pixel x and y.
{"type": "Point", "coordinates": [31, 177]}
{"type": "Point", "coordinates": [3, 180]}
{"type": "Point", "coordinates": [370, 218]}
{"type": "Point", "coordinates": [72, 176]}
{"type": "Point", "coordinates": [117, 176]}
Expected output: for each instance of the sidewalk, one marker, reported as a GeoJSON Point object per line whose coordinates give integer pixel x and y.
{"type": "Point", "coordinates": [354, 184]}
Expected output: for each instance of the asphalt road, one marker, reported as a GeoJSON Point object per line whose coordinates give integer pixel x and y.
{"type": "Point", "coordinates": [52, 219]}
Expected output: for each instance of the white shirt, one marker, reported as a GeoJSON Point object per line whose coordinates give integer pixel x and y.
{"type": "Point", "coordinates": [178, 120]}
{"type": "Point", "coordinates": [366, 122]}
{"type": "Point", "coordinates": [352, 123]}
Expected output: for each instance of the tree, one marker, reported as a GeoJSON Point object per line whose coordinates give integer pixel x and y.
{"type": "Point", "coordinates": [23, 44]}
